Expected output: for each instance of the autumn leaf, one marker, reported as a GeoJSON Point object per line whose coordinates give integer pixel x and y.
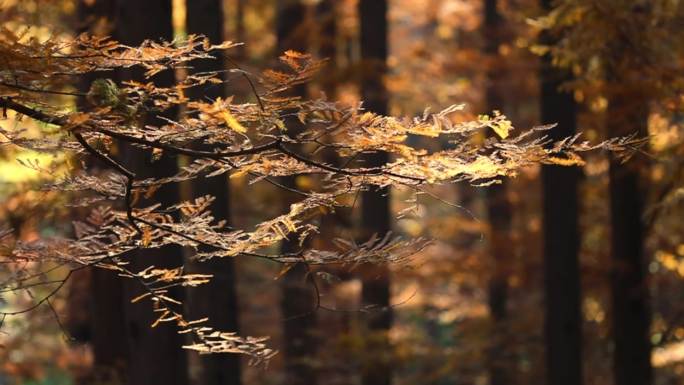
{"type": "Point", "coordinates": [146, 237]}
{"type": "Point", "coordinates": [571, 160]}
{"type": "Point", "coordinates": [502, 128]}
{"type": "Point", "coordinates": [76, 120]}
{"type": "Point", "coordinates": [232, 122]}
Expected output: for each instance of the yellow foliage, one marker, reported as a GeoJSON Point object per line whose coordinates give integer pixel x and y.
{"type": "Point", "coordinates": [571, 160]}
{"type": "Point", "coordinates": [216, 139]}
{"type": "Point", "coordinates": [232, 122]}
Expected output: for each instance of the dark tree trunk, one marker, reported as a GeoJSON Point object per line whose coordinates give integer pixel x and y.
{"type": "Point", "coordinates": [336, 366]}
{"type": "Point", "coordinates": [156, 355]}
{"type": "Point", "coordinates": [499, 212]}
{"type": "Point", "coordinates": [629, 95]}
{"type": "Point", "coordinates": [327, 45]}
{"type": "Point", "coordinates": [628, 114]}
{"type": "Point", "coordinates": [374, 51]}
{"type": "Point", "coordinates": [105, 289]}
{"type": "Point", "coordinates": [375, 204]}
{"type": "Point", "coordinates": [291, 28]}
{"type": "Point", "coordinates": [217, 299]}
{"type": "Point", "coordinates": [326, 40]}
{"type": "Point", "coordinates": [240, 33]}
{"type": "Point", "coordinates": [298, 299]}
{"type": "Point", "coordinates": [563, 312]}
{"type": "Point", "coordinates": [110, 351]}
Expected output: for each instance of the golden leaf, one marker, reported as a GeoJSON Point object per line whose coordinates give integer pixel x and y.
{"type": "Point", "coordinates": [76, 120]}
{"type": "Point", "coordinates": [157, 154]}
{"type": "Point", "coordinates": [160, 319]}
{"type": "Point", "coordinates": [571, 160]}
{"type": "Point", "coordinates": [146, 237]}
{"type": "Point", "coordinates": [240, 173]}
{"type": "Point", "coordinates": [138, 298]}
{"type": "Point", "coordinates": [168, 299]}
{"type": "Point", "coordinates": [289, 225]}
{"type": "Point", "coordinates": [232, 122]}
{"type": "Point", "coordinates": [502, 128]}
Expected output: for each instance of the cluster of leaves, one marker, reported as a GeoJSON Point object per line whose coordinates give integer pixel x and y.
{"type": "Point", "coordinates": [602, 40]}
{"type": "Point", "coordinates": [256, 139]}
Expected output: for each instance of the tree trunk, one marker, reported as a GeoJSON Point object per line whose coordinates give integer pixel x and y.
{"type": "Point", "coordinates": [327, 46]}
{"type": "Point", "coordinates": [156, 355]}
{"type": "Point", "coordinates": [628, 114]}
{"type": "Point", "coordinates": [298, 299]}
{"type": "Point", "coordinates": [499, 212]}
{"type": "Point", "coordinates": [105, 289]}
{"type": "Point", "coordinates": [240, 32]}
{"type": "Point", "coordinates": [217, 299]}
{"type": "Point", "coordinates": [563, 312]}
{"type": "Point", "coordinates": [375, 204]}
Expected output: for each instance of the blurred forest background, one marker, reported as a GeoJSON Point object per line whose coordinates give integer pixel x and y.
{"type": "Point", "coordinates": [562, 275]}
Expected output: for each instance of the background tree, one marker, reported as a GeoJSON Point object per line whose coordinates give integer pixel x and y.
{"type": "Point", "coordinates": [629, 109]}
{"type": "Point", "coordinates": [563, 312]}
{"type": "Point", "coordinates": [375, 204]}
{"type": "Point", "coordinates": [72, 149]}
{"type": "Point", "coordinates": [216, 300]}
{"type": "Point", "coordinates": [499, 210]}
{"type": "Point", "coordinates": [626, 71]}
{"type": "Point", "coordinates": [327, 44]}
{"type": "Point", "coordinates": [153, 356]}
{"type": "Point", "coordinates": [107, 301]}
{"type": "Point", "coordinates": [298, 301]}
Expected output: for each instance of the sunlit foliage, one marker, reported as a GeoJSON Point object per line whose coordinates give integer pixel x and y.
{"type": "Point", "coordinates": [254, 139]}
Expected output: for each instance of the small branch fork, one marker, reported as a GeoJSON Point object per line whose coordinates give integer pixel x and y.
{"type": "Point", "coordinates": [130, 177]}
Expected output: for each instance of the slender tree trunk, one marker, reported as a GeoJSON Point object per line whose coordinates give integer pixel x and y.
{"type": "Point", "coordinates": [563, 312]}
{"type": "Point", "coordinates": [298, 300]}
{"type": "Point", "coordinates": [499, 212]}
{"type": "Point", "coordinates": [337, 366]}
{"type": "Point", "coordinates": [156, 355]}
{"type": "Point", "coordinates": [326, 40]}
{"type": "Point", "coordinates": [105, 289]}
{"type": "Point", "coordinates": [628, 114]}
{"type": "Point", "coordinates": [240, 32]}
{"type": "Point", "coordinates": [217, 299]}
{"type": "Point", "coordinates": [327, 45]}
{"type": "Point", "coordinates": [375, 204]}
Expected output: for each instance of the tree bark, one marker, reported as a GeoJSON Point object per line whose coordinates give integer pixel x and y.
{"type": "Point", "coordinates": [298, 300]}
{"type": "Point", "coordinates": [327, 45]}
{"type": "Point", "coordinates": [105, 288]}
{"type": "Point", "coordinates": [628, 114]}
{"type": "Point", "coordinates": [499, 212]}
{"type": "Point", "coordinates": [240, 32]}
{"type": "Point", "coordinates": [156, 355]}
{"type": "Point", "coordinates": [216, 300]}
{"type": "Point", "coordinates": [375, 204]}
{"type": "Point", "coordinates": [563, 311]}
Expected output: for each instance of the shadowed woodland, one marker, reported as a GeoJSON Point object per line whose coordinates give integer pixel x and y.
{"type": "Point", "coordinates": [341, 192]}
